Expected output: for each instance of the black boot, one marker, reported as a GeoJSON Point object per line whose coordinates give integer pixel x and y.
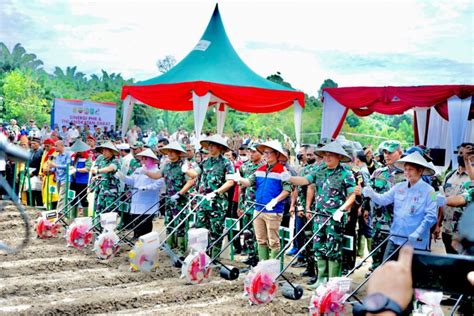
{"type": "Point", "coordinates": [312, 280]}
{"type": "Point", "coordinates": [251, 261]}
{"type": "Point", "coordinates": [310, 271]}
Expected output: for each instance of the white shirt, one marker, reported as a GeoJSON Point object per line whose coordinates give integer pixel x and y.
{"type": "Point", "coordinates": [147, 201]}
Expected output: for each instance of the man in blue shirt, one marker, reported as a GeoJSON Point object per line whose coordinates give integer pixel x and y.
{"type": "Point", "coordinates": [61, 169]}
{"type": "Point", "coordinates": [415, 210]}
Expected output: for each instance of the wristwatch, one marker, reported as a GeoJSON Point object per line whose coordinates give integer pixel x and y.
{"type": "Point", "coordinates": [377, 303]}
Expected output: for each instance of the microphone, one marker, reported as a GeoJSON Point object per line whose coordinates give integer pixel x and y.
{"type": "Point", "coordinates": [12, 151]}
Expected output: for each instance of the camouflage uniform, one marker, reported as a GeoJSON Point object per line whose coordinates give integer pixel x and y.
{"type": "Point", "coordinates": [108, 190]}
{"type": "Point", "coordinates": [211, 214]}
{"type": "Point", "coordinates": [246, 170]}
{"type": "Point", "coordinates": [333, 186]}
{"type": "Point", "coordinates": [134, 165]}
{"type": "Point", "coordinates": [383, 179]}
{"type": "Point", "coordinates": [175, 180]}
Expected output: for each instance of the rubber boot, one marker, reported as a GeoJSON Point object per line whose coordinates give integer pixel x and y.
{"type": "Point", "coordinates": [263, 252]}
{"type": "Point", "coordinates": [309, 272]}
{"type": "Point", "coordinates": [322, 274]}
{"type": "Point", "coordinates": [215, 251]}
{"type": "Point", "coordinates": [360, 245]}
{"type": "Point", "coordinates": [369, 244]}
{"type": "Point", "coordinates": [171, 241]}
{"type": "Point", "coordinates": [182, 245]}
{"type": "Point", "coordinates": [335, 269]}
{"type": "Point", "coordinates": [274, 253]}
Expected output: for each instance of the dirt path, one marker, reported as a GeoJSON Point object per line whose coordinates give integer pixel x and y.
{"type": "Point", "coordinates": [50, 278]}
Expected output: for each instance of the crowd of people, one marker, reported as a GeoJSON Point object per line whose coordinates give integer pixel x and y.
{"type": "Point", "coordinates": [383, 198]}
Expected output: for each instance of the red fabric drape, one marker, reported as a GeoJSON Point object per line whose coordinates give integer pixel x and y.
{"type": "Point", "coordinates": [178, 97]}
{"type": "Point", "coordinates": [364, 101]}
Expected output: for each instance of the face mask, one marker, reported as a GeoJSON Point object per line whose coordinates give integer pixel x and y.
{"type": "Point", "coordinates": [461, 161]}
{"type": "Point", "coordinates": [311, 161]}
{"type": "Point", "coordinates": [244, 158]}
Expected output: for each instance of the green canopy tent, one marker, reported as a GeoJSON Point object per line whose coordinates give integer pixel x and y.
{"type": "Point", "coordinates": [212, 74]}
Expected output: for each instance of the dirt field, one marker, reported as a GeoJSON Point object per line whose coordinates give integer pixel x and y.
{"type": "Point", "coordinates": [50, 278]}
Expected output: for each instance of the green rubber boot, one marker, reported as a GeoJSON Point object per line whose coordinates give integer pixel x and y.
{"type": "Point", "coordinates": [322, 274]}
{"type": "Point", "coordinates": [182, 245]}
{"type": "Point", "coordinates": [274, 253]}
{"type": "Point", "coordinates": [369, 244]}
{"type": "Point", "coordinates": [335, 269]}
{"type": "Point", "coordinates": [171, 241]}
{"type": "Point", "coordinates": [360, 245]}
{"type": "Point", "coordinates": [263, 252]}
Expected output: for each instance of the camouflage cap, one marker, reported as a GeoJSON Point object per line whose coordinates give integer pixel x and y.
{"type": "Point", "coordinates": [137, 145]}
{"type": "Point", "coordinates": [252, 146]}
{"type": "Point", "coordinates": [391, 146]}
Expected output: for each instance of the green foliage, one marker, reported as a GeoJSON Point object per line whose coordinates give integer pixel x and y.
{"type": "Point", "coordinates": [28, 91]}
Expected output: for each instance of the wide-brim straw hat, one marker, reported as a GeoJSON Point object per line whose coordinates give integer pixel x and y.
{"type": "Point", "coordinates": [215, 139]}
{"type": "Point", "coordinates": [334, 148]}
{"type": "Point", "coordinates": [108, 145]}
{"type": "Point", "coordinates": [79, 146]}
{"type": "Point", "coordinates": [417, 159]}
{"type": "Point", "coordinates": [173, 146]}
{"type": "Point", "coordinates": [275, 145]}
{"type": "Point", "coordinates": [148, 153]}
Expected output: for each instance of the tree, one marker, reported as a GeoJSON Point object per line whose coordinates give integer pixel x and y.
{"type": "Point", "coordinates": [328, 83]}
{"type": "Point", "coordinates": [17, 59]}
{"type": "Point", "coordinates": [166, 63]}
{"type": "Point", "coordinates": [24, 98]}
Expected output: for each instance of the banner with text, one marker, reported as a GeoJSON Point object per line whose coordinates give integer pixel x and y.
{"type": "Point", "coordinates": [80, 112]}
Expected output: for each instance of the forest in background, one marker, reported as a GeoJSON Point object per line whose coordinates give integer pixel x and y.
{"type": "Point", "coordinates": [27, 91]}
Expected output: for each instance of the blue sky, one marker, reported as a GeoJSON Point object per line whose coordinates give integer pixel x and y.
{"type": "Point", "coordinates": [355, 43]}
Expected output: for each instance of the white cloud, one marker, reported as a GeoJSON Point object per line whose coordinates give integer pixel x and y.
{"type": "Point", "coordinates": [302, 39]}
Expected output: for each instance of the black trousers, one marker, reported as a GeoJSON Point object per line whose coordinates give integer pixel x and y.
{"type": "Point", "coordinates": [142, 224]}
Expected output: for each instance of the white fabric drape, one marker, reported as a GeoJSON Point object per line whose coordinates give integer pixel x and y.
{"type": "Point", "coordinates": [438, 134]}
{"type": "Point", "coordinates": [199, 111]}
{"type": "Point", "coordinates": [469, 134]}
{"type": "Point", "coordinates": [127, 110]}
{"type": "Point", "coordinates": [421, 117]}
{"type": "Point", "coordinates": [458, 111]}
{"type": "Point", "coordinates": [220, 117]}
{"type": "Point", "coordinates": [333, 111]}
{"type": "Point", "coordinates": [298, 114]}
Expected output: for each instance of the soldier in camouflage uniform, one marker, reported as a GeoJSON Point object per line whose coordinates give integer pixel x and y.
{"type": "Point", "coordinates": [382, 180]}
{"type": "Point", "coordinates": [246, 200]}
{"type": "Point", "coordinates": [213, 184]}
{"type": "Point", "coordinates": [135, 162]}
{"type": "Point", "coordinates": [334, 184]}
{"type": "Point", "coordinates": [301, 205]}
{"type": "Point", "coordinates": [179, 178]}
{"type": "Point", "coordinates": [105, 168]}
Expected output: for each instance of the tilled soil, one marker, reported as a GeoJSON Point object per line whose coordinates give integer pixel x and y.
{"type": "Point", "coordinates": [50, 278]}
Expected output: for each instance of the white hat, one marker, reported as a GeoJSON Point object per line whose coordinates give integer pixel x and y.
{"type": "Point", "coordinates": [215, 139]}
{"type": "Point", "coordinates": [123, 146]}
{"type": "Point", "coordinates": [173, 146]}
{"type": "Point", "coordinates": [108, 145]}
{"type": "Point", "coordinates": [417, 159]}
{"type": "Point", "coordinates": [275, 145]}
{"type": "Point", "coordinates": [148, 153]}
{"type": "Point", "coordinates": [335, 148]}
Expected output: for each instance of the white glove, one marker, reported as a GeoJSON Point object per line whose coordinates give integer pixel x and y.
{"type": "Point", "coordinates": [236, 177]}
{"type": "Point", "coordinates": [210, 196]}
{"type": "Point", "coordinates": [285, 176]}
{"type": "Point", "coordinates": [441, 200]}
{"type": "Point", "coordinates": [337, 216]}
{"type": "Point", "coordinates": [185, 167]}
{"type": "Point", "coordinates": [175, 197]}
{"type": "Point", "coordinates": [72, 171]}
{"type": "Point", "coordinates": [120, 175]}
{"type": "Point", "coordinates": [368, 191]}
{"type": "Point", "coordinates": [94, 170]}
{"type": "Point", "coordinates": [270, 205]}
